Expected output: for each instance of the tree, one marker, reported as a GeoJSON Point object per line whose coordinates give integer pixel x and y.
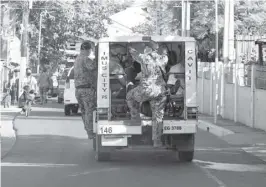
{"type": "Point", "coordinates": [63, 22]}
{"type": "Point", "coordinates": [250, 18]}
{"type": "Point", "coordinates": [167, 22]}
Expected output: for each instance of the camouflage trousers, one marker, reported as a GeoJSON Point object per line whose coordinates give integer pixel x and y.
{"type": "Point", "coordinates": [87, 102]}
{"type": "Point", "coordinates": [157, 100]}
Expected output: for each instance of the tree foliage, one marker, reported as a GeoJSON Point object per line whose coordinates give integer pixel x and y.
{"type": "Point", "coordinates": [166, 23]}
{"type": "Point", "coordinates": [250, 18]}
{"type": "Point", "coordinates": [64, 21]}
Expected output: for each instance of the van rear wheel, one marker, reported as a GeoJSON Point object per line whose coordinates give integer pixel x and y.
{"type": "Point", "coordinates": [60, 100]}
{"type": "Point", "coordinates": [184, 145]}
{"type": "Point", "coordinates": [75, 110]}
{"type": "Point", "coordinates": [186, 156]}
{"type": "Point", "coordinates": [101, 154]}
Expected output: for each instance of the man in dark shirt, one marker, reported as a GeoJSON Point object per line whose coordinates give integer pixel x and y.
{"type": "Point", "coordinates": [85, 75]}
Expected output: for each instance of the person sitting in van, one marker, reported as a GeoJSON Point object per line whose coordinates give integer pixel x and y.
{"type": "Point", "coordinates": [176, 79]}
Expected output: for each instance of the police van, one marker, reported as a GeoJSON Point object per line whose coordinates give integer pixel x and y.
{"type": "Point", "coordinates": [113, 128]}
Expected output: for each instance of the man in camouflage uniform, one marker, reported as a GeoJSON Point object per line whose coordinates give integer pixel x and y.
{"type": "Point", "coordinates": [151, 88]}
{"type": "Point", "coordinates": [85, 75]}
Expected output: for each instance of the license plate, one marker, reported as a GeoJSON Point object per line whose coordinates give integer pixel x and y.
{"type": "Point", "coordinates": [119, 129]}
{"type": "Point", "coordinates": [172, 128]}
{"type": "Point", "coordinates": [106, 130]}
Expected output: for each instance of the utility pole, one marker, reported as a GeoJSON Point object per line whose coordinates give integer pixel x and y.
{"type": "Point", "coordinates": [231, 47]}
{"type": "Point", "coordinates": [183, 18]}
{"type": "Point", "coordinates": [24, 47]}
{"type": "Point", "coordinates": [39, 45]}
{"type": "Point", "coordinates": [188, 18]}
{"type": "Point", "coordinates": [216, 61]}
{"type": "Point", "coordinates": [225, 52]}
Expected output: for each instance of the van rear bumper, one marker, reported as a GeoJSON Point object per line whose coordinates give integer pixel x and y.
{"type": "Point", "coordinates": [127, 127]}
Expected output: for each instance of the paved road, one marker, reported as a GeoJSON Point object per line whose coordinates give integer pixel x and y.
{"type": "Point", "coordinates": [52, 150]}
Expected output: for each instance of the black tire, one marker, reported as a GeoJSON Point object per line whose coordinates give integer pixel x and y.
{"type": "Point", "coordinates": [101, 155]}
{"type": "Point", "coordinates": [94, 144]}
{"type": "Point", "coordinates": [60, 100]}
{"type": "Point", "coordinates": [75, 110]}
{"type": "Point", "coordinates": [186, 156]}
{"type": "Point", "coordinates": [67, 111]}
{"type": "Point", "coordinates": [184, 146]}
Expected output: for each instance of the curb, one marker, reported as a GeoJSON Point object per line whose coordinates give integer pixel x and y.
{"type": "Point", "coordinates": [14, 137]}
{"type": "Point", "coordinates": [214, 129]}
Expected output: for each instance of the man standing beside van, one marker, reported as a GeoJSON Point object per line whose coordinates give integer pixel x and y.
{"type": "Point", "coordinates": [85, 77]}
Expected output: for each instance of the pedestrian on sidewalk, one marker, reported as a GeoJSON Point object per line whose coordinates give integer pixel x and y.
{"type": "Point", "coordinates": [13, 89]}
{"type": "Point", "coordinates": [7, 99]}
{"type": "Point", "coordinates": [27, 96]}
{"type": "Point", "coordinates": [85, 76]}
{"type": "Point", "coordinates": [44, 83]}
{"type": "Point", "coordinates": [30, 81]}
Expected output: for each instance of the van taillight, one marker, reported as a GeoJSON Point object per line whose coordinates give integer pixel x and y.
{"type": "Point", "coordinates": [102, 113]}
{"type": "Point", "coordinates": [68, 85]}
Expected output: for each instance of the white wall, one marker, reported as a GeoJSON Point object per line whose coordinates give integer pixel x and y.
{"type": "Point", "coordinates": [243, 105]}
{"type": "Point", "coordinates": [244, 102]}
{"type": "Point", "coordinates": [229, 101]}
{"type": "Point", "coordinates": [260, 109]}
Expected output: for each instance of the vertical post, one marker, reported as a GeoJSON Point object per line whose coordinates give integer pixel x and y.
{"type": "Point", "coordinates": [8, 34]}
{"type": "Point", "coordinates": [188, 18]}
{"type": "Point", "coordinates": [253, 95]}
{"type": "Point", "coordinates": [183, 17]}
{"type": "Point", "coordinates": [211, 85]}
{"type": "Point", "coordinates": [231, 42]}
{"type": "Point", "coordinates": [225, 54]}
{"type": "Point", "coordinates": [216, 60]}
{"type": "Point", "coordinates": [235, 88]}
{"type": "Point", "coordinates": [24, 50]}
{"type": "Point", "coordinates": [202, 85]}
{"type": "Point", "coordinates": [39, 45]}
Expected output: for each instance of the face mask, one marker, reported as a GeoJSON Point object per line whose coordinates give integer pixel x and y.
{"type": "Point", "coordinates": [92, 56]}
{"type": "Point", "coordinates": [28, 74]}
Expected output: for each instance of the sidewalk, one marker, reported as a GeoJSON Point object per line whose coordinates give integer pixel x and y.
{"type": "Point", "coordinates": [8, 134]}
{"type": "Point", "coordinates": [249, 139]}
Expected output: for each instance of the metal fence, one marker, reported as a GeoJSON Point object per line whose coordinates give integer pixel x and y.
{"type": "Point", "coordinates": [243, 73]}
{"type": "Point", "coordinates": [260, 77]}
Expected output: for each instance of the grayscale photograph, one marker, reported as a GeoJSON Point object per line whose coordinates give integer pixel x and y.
{"type": "Point", "coordinates": [133, 93]}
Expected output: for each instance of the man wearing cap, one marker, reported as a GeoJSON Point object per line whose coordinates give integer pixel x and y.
{"type": "Point", "coordinates": [151, 88]}
{"type": "Point", "coordinates": [85, 76]}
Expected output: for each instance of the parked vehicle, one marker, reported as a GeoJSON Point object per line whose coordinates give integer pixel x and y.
{"type": "Point", "coordinates": [70, 101]}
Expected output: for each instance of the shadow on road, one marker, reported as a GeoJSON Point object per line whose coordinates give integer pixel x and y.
{"type": "Point", "coordinates": [68, 150]}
